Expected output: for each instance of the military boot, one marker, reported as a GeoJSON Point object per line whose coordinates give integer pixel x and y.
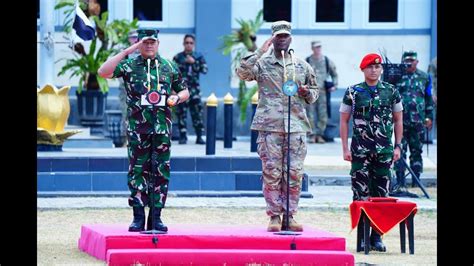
{"type": "Point", "coordinates": [138, 223]}
{"type": "Point", "coordinates": [182, 138]}
{"type": "Point", "coordinates": [199, 139]}
{"type": "Point", "coordinates": [158, 223]}
{"type": "Point", "coordinates": [275, 224]}
{"type": "Point", "coordinates": [376, 242]}
{"type": "Point", "coordinates": [319, 139]}
{"type": "Point", "coordinates": [292, 224]}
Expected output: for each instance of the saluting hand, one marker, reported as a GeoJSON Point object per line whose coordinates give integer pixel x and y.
{"type": "Point", "coordinates": [267, 45]}
{"type": "Point", "coordinates": [133, 47]}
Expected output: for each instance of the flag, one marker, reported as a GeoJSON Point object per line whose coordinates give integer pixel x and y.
{"type": "Point", "coordinates": [83, 26]}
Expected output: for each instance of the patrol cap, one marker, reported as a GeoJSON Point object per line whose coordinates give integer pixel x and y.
{"type": "Point", "coordinates": [281, 26]}
{"type": "Point", "coordinates": [148, 33]}
{"type": "Point", "coordinates": [370, 59]}
{"type": "Point", "coordinates": [132, 33]}
{"type": "Point", "coordinates": [409, 55]}
{"type": "Point", "coordinates": [315, 44]}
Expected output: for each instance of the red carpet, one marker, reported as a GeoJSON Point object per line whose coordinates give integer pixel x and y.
{"type": "Point", "coordinates": [213, 244]}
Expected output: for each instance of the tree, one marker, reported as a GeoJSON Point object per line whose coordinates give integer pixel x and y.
{"type": "Point", "coordinates": [240, 42]}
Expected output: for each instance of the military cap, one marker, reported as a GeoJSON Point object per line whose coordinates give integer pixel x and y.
{"type": "Point", "coordinates": [315, 43]}
{"type": "Point", "coordinates": [147, 33]}
{"type": "Point", "coordinates": [409, 55]}
{"type": "Point", "coordinates": [281, 26]}
{"type": "Point", "coordinates": [132, 33]}
{"type": "Point", "coordinates": [370, 59]}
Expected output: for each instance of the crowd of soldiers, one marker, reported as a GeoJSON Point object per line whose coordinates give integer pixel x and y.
{"type": "Point", "coordinates": [152, 87]}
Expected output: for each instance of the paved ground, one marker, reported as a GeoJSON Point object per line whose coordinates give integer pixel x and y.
{"type": "Point", "coordinates": [325, 197]}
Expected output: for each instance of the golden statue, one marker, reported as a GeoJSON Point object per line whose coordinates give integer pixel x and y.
{"type": "Point", "coordinates": [52, 106]}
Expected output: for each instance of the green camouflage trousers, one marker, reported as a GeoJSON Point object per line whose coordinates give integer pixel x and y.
{"type": "Point", "coordinates": [370, 175]}
{"type": "Point", "coordinates": [272, 149]}
{"type": "Point", "coordinates": [194, 105]}
{"type": "Point", "coordinates": [147, 152]}
{"type": "Point", "coordinates": [320, 108]}
{"type": "Point", "coordinates": [413, 135]}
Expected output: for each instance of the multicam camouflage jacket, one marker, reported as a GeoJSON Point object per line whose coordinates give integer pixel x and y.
{"type": "Point", "coordinates": [372, 110]}
{"type": "Point", "coordinates": [415, 90]}
{"type": "Point", "coordinates": [272, 108]}
{"type": "Point", "coordinates": [148, 119]}
{"type": "Point", "coordinates": [191, 72]}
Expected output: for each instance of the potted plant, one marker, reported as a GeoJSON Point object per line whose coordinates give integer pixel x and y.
{"type": "Point", "coordinates": [109, 39]}
{"type": "Point", "coordinates": [240, 42]}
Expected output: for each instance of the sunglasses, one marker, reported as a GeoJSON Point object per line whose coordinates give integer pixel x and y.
{"type": "Point", "coordinates": [188, 42]}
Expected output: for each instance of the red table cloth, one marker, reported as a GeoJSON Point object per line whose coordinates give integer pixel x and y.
{"type": "Point", "coordinates": [383, 215]}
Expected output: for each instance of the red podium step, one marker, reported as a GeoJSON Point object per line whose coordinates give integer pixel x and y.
{"type": "Point", "coordinates": [113, 242]}
{"type": "Point", "coordinates": [227, 257]}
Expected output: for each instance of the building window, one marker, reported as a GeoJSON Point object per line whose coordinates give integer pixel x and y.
{"type": "Point", "coordinates": [148, 10]}
{"type": "Point", "coordinates": [274, 10]}
{"type": "Point", "coordinates": [383, 11]}
{"type": "Point", "coordinates": [104, 6]}
{"type": "Point", "coordinates": [329, 10]}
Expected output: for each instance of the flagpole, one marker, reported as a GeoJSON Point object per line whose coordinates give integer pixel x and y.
{"type": "Point", "coordinates": [46, 62]}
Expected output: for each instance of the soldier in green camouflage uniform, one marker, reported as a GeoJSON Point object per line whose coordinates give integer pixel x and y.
{"type": "Point", "coordinates": [415, 89]}
{"type": "Point", "coordinates": [191, 64]}
{"type": "Point", "coordinates": [377, 110]}
{"type": "Point", "coordinates": [324, 68]}
{"type": "Point", "coordinates": [271, 120]}
{"type": "Point", "coordinates": [149, 127]}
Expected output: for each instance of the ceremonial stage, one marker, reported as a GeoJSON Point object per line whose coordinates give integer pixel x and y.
{"type": "Point", "coordinates": [212, 244]}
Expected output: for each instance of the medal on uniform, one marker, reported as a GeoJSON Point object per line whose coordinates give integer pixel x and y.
{"type": "Point", "coordinates": [153, 97]}
{"type": "Point", "coordinates": [289, 86]}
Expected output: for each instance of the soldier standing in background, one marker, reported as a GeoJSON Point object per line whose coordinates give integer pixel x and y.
{"type": "Point", "coordinates": [327, 79]}
{"type": "Point", "coordinates": [191, 64]}
{"type": "Point", "coordinates": [415, 89]}
{"type": "Point", "coordinates": [271, 71]}
{"type": "Point", "coordinates": [377, 110]}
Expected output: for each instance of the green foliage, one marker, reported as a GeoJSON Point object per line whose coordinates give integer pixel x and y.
{"type": "Point", "coordinates": [112, 37]}
{"type": "Point", "coordinates": [240, 42]}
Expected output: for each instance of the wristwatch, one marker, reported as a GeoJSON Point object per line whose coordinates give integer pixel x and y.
{"type": "Point", "coordinates": [399, 146]}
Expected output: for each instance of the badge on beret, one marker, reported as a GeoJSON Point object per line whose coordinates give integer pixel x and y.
{"type": "Point", "coordinates": [290, 88]}
{"type": "Point", "coordinates": [377, 60]}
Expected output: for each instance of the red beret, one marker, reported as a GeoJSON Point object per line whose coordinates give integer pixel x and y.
{"type": "Point", "coordinates": [369, 60]}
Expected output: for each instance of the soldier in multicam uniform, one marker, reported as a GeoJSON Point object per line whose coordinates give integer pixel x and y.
{"type": "Point", "coordinates": [271, 121]}
{"type": "Point", "coordinates": [415, 89]}
{"type": "Point", "coordinates": [191, 64]}
{"type": "Point", "coordinates": [323, 68]}
{"type": "Point", "coordinates": [377, 110]}
{"type": "Point", "coordinates": [153, 84]}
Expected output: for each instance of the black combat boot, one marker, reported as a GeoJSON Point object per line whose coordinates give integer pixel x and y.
{"type": "Point", "coordinates": [138, 223]}
{"type": "Point", "coordinates": [158, 223]}
{"type": "Point", "coordinates": [182, 138]}
{"type": "Point", "coordinates": [376, 242]}
{"type": "Point", "coordinates": [199, 139]}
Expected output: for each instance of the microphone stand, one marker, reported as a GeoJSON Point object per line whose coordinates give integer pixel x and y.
{"type": "Point", "coordinates": [289, 91]}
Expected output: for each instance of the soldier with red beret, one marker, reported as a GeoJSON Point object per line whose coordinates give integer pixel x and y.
{"type": "Point", "coordinates": [376, 109]}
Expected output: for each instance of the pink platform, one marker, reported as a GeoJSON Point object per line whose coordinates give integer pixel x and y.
{"type": "Point", "coordinates": [206, 243]}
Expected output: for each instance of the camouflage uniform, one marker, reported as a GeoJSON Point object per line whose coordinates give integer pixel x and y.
{"type": "Point", "coordinates": [122, 96]}
{"type": "Point", "coordinates": [415, 90]}
{"type": "Point", "coordinates": [371, 145]}
{"type": "Point", "coordinates": [271, 120]}
{"type": "Point", "coordinates": [191, 73]}
{"type": "Point", "coordinates": [321, 105]}
{"type": "Point", "coordinates": [149, 128]}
